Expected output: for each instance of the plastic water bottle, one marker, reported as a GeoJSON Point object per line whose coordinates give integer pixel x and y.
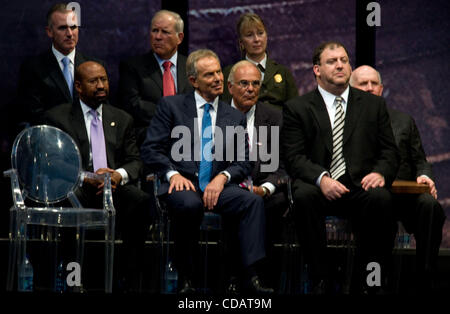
{"type": "Point", "coordinates": [60, 281]}
{"type": "Point", "coordinates": [25, 280]}
{"type": "Point", "coordinates": [171, 279]}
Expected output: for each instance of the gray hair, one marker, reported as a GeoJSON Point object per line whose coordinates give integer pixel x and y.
{"type": "Point", "coordinates": [179, 24]}
{"type": "Point", "coordinates": [235, 67]}
{"type": "Point", "coordinates": [191, 63]}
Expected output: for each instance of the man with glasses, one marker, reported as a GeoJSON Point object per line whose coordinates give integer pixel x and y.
{"type": "Point", "coordinates": [244, 84]}
{"type": "Point", "coordinates": [46, 81]}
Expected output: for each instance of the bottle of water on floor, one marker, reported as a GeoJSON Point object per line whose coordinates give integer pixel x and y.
{"type": "Point", "coordinates": [25, 278]}
{"type": "Point", "coordinates": [60, 284]}
{"type": "Point", "coordinates": [171, 281]}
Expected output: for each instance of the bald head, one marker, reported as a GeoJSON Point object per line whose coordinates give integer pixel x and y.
{"type": "Point", "coordinates": [91, 83]}
{"type": "Point", "coordinates": [367, 79]}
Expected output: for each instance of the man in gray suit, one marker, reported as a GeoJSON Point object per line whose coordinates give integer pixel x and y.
{"type": "Point", "coordinates": [144, 79]}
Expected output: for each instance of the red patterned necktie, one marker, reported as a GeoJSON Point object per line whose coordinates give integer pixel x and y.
{"type": "Point", "coordinates": [168, 82]}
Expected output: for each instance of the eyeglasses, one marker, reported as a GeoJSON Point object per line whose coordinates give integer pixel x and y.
{"type": "Point", "coordinates": [246, 84]}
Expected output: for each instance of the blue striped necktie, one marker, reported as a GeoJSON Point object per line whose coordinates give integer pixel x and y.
{"type": "Point", "coordinates": [204, 175]}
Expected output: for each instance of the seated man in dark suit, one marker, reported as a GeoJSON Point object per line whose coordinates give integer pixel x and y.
{"type": "Point", "coordinates": [46, 80]}
{"type": "Point", "coordinates": [263, 123]}
{"type": "Point", "coordinates": [197, 176]}
{"type": "Point", "coordinates": [145, 79]}
{"type": "Point", "coordinates": [421, 214]}
{"type": "Point", "coordinates": [106, 140]}
{"type": "Point", "coordinates": [340, 151]}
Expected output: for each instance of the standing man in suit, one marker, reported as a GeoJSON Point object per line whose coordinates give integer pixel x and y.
{"type": "Point", "coordinates": [201, 178]}
{"type": "Point", "coordinates": [244, 83]}
{"type": "Point", "coordinates": [46, 81]}
{"type": "Point", "coordinates": [147, 78]}
{"type": "Point", "coordinates": [421, 214]}
{"type": "Point", "coordinates": [341, 154]}
{"type": "Point", "coordinates": [106, 140]}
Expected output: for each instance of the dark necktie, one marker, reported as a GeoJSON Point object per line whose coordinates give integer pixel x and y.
{"type": "Point", "coordinates": [98, 147]}
{"type": "Point", "coordinates": [168, 82]}
{"type": "Point", "coordinates": [337, 167]}
{"type": "Point", "coordinates": [204, 175]}
{"type": "Point", "coordinates": [68, 74]}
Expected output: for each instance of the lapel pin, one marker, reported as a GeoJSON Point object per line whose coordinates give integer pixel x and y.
{"type": "Point", "coordinates": [113, 124]}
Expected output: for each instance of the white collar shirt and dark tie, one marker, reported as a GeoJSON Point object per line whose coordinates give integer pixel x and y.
{"type": "Point", "coordinates": [250, 115]}
{"type": "Point", "coordinates": [262, 65]}
{"type": "Point", "coordinates": [88, 121]}
{"type": "Point", "coordinates": [331, 105]}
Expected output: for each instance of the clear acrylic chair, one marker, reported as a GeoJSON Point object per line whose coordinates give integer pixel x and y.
{"type": "Point", "coordinates": [46, 170]}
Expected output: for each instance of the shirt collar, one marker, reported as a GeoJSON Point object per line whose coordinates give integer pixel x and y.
{"type": "Point", "coordinates": [249, 113]}
{"type": "Point", "coordinates": [59, 56]}
{"type": "Point", "coordinates": [329, 97]}
{"type": "Point", "coordinates": [200, 101]}
{"type": "Point", "coordinates": [86, 109]}
{"type": "Point", "coordinates": [173, 59]}
{"type": "Point", "coordinates": [262, 62]}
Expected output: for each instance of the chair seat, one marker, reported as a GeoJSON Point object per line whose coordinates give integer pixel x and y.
{"type": "Point", "coordinates": [66, 217]}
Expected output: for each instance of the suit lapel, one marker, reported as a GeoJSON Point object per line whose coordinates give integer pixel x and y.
{"type": "Point", "coordinates": [109, 130]}
{"type": "Point", "coordinates": [221, 122]}
{"type": "Point", "coordinates": [191, 115]}
{"type": "Point", "coordinates": [79, 130]}
{"type": "Point", "coordinates": [320, 112]}
{"type": "Point", "coordinates": [57, 76]}
{"type": "Point", "coordinates": [154, 70]}
{"type": "Point", "coordinates": [181, 75]}
{"type": "Point", "coordinates": [352, 114]}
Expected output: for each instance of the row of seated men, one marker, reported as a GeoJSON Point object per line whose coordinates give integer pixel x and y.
{"type": "Point", "coordinates": [337, 145]}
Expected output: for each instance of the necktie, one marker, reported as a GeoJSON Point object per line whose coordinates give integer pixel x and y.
{"type": "Point", "coordinates": [68, 74]}
{"type": "Point", "coordinates": [261, 68]}
{"type": "Point", "coordinates": [98, 147]}
{"type": "Point", "coordinates": [337, 167]}
{"type": "Point", "coordinates": [204, 175]}
{"type": "Point", "coordinates": [168, 82]}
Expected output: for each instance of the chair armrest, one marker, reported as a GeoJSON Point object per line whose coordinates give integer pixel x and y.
{"type": "Point", "coordinates": [15, 188]}
{"type": "Point", "coordinates": [409, 187]}
{"type": "Point", "coordinates": [107, 194]}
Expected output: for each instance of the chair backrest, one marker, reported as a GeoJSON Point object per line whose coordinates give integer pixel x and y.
{"type": "Point", "coordinates": [47, 162]}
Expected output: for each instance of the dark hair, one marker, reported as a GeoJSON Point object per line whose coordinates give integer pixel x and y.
{"type": "Point", "coordinates": [329, 44]}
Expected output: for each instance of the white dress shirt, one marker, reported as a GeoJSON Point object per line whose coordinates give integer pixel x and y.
{"type": "Point", "coordinates": [262, 62]}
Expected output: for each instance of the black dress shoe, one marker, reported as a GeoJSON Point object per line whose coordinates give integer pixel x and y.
{"type": "Point", "coordinates": [255, 286]}
{"type": "Point", "coordinates": [186, 287]}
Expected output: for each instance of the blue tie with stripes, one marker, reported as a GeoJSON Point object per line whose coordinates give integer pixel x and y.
{"type": "Point", "coordinates": [204, 175]}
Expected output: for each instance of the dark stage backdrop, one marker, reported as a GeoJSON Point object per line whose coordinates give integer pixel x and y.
{"type": "Point", "coordinates": [412, 53]}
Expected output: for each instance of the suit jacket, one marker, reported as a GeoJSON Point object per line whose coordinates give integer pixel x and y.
{"type": "Point", "coordinates": [180, 110]}
{"type": "Point", "coordinates": [277, 87]}
{"type": "Point", "coordinates": [141, 87]}
{"type": "Point", "coordinates": [413, 162]}
{"type": "Point", "coordinates": [368, 142]}
{"type": "Point", "coordinates": [42, 85]}
{"type": "Point", "coordinates": [120, 141]}
{"type": "Point", "coordinates": [266, 115]}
